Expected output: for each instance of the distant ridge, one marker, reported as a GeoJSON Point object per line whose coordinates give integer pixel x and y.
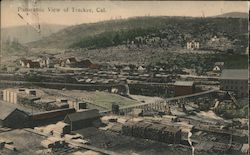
{"type": "Point", "coordinates": [26, 33]}
{"type": "Point", "coordinates": [233, 15]}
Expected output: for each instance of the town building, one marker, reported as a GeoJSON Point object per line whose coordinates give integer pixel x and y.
{"type": "Point", "coordinates": [183, 88]}
{"type": "Point", "coordinates": [82, 118]}
{"type": "Point", "coordinates": [220, 64]}
{"type": "Point", "coordinates": [235, 80]}
{"type": "Point", "coordinates": [48, 62]}
{"type": "Point", "coordinates": [48, 117]}
{"type": "Point", "coordinates": [33, 64]}
{"type": "Point", "coordinates": [71, 60]}
{"type": "Point", "coordinates": [216, 69]}
{"type": "Point", "coordinates": [84, 63]}
{"type": "Point", "coordinates": [192, 45]}
{"type": "Point", "coordinates": [141, 68]}
{"type": "Point", "coordinates": [78, 106]}
{"type": "Point", "coordinates": [24, 62]}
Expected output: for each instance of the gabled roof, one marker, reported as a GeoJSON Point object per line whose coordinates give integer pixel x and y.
{"type": "Point", "coordinates": [34, 64]}
{"type": "Point", "coordinates": [234, 74]}
{"type": "Point", "coordinates": [25, 61]}
{"type": "Point", "coordinates": [86, 62]}
{"type": "Point", "coordinates": [5, 111]}
{"type": "Point", "coordinates": [82, 115]}
{"type": "Point", "coordinates": [219, 63]}
{"type": "Point", "coordinates": [216, 68]}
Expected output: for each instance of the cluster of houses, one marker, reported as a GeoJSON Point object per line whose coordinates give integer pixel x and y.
{"type": "Point", "coordinates": [73, 62]}
{"type": "Point", "coordinates": [214, 43]}
{"type": "Point", "coordinates": [51, 62]}
{"type": "Point", "coordinates": [41, 62]}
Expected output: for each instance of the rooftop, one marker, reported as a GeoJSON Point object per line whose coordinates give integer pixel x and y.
{"type": "Point", "coordinates": [5, 111]}
{"type": "Point", "coordinates": [239, 74]}
{"type": "Point", "coordinates": [84, 114]}
{"type": "Point", "coordinates": [183, 83]}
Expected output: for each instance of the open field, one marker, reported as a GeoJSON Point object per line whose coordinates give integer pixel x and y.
{"type": "Point", "coordinates": [102, 99]}
{"type": "Point", "coordinates": [25, 142]}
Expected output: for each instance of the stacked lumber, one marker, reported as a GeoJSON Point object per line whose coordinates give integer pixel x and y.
{"type": "Point", "coordinates": [153, 131]}
{"type": "Point", "coordinates": [47, 144]}
{"type": "Point", "coordinates": [10, 147]}
{"type": "Point", "coordinates": [139, 129]}
{"type": "Point", "coordinates": [53, 142]}
{"type": "Point", "coordinates": [127, 129]}
{"type": "Point", "coordinates": [8, 144]}
{"type": "Point", "coordinates": [171, 135]}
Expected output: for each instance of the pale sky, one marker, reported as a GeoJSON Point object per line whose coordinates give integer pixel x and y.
{"type": "Point", "coordinates": [113, 9]}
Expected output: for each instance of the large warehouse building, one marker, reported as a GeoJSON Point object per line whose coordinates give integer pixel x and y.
{"type": "Point", "coordinates": [12, 117]}
{"type": "Point", "coordinates": [235, 80]}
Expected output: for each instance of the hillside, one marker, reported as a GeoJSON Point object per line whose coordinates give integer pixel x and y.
{"type": "Point", "coordinates": [233, 15]}
{"type": "Point", "coordinates": [171, 31]}
{"type": "Point", "coordinates": [13, 48]}
{"type": "Point", "coordinates": [26, 33]}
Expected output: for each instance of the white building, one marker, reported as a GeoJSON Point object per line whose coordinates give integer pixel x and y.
{"type": "Point", "coordinates": [192, 45]}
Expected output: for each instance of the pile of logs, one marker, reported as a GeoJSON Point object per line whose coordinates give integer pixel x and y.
{"type": "Point", "coordinates": [154, 132]}
{"type": "Point", "coordinates": [139, 129]}
{"type": "Point", "coordinates": [158, 132]}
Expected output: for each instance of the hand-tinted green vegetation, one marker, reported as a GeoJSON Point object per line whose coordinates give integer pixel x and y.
{"type": "Point", "coordinates": [176, 31]}
{"type": "Point", "coordinates": [10, 47]}
{"type": "Point", "coordinates": [228, 111]}
{"type": "Point", "coordinates": [112, 38]}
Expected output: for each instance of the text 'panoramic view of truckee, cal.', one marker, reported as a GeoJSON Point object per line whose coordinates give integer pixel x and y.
{"type": "Point", "coordinates": [124, 77]}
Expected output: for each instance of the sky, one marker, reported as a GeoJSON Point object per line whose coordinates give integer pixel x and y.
{"type": "Point", "coordinates": [19, 12]}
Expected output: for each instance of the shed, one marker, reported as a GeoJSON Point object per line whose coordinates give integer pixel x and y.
{"type": "Point", "coordinates": [82, 119]}
{"type": "Point", "coordinates": [183, 88]}
{"type": "Point", "coordinates": [12, 117]}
